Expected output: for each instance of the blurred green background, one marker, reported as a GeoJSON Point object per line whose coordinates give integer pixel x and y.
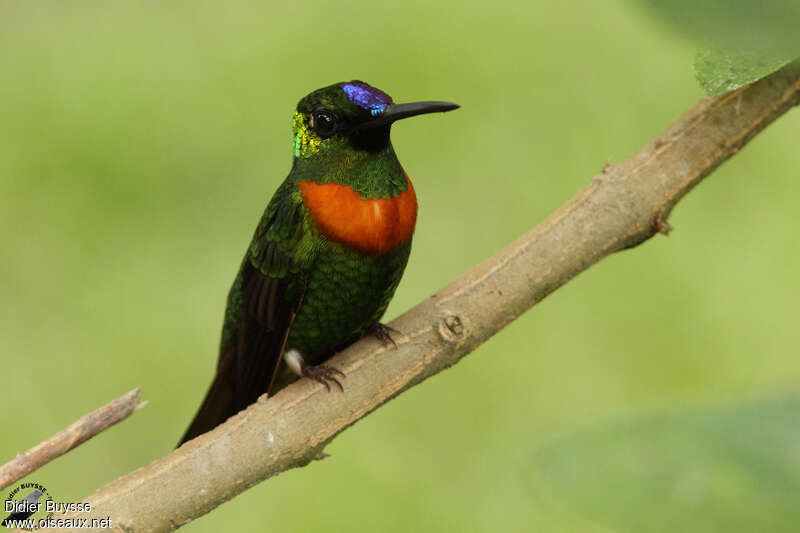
{"type": "Point", "coordinates": [140, 142]}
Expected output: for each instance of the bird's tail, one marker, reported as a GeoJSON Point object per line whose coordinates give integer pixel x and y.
{"type": "Point", "coordinates": [217, 406]}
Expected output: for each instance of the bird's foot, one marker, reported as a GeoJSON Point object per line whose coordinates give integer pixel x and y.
{"type": "Point", "coordinates": [324, 374]}
{"type": "Point", "coordinates": [382, 332]}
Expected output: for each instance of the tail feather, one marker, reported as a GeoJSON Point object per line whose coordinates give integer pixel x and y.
{"type": "Point", "coordinates": [250, 362]}
{"type": "Point", "coordinates": [217, 406]}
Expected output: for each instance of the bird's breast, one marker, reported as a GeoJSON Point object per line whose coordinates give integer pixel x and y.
{"type": "Point", "coordinates": [371, 225]}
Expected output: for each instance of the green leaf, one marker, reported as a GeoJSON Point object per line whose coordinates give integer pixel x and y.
{"type": "Point", "coordinates": [740, 41]}
{"type": "Point", "coordinates": [719, 71]}
{"type": "Point", "coordinates": [727, 470]}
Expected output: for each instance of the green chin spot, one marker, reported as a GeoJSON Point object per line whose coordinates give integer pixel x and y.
{"type": "Point", "coordinates": [306, 142]}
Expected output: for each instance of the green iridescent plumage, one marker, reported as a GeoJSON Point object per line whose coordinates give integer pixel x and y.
{"type": "Point", "coordinates": [301, 289]}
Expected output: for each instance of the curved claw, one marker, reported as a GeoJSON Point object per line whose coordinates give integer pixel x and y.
{"type": "Point", "coordinates": [382, 332]}
{"type": "Point", "coordinates": [324, 374]}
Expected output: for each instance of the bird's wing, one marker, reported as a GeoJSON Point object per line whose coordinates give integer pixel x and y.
{"type": "Point", "coordinates": [261, 306]}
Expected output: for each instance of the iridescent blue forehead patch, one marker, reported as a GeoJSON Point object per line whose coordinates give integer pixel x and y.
{"type": "Point", "coordinates": [367, 97]}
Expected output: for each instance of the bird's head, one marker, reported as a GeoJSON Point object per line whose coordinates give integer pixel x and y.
{"type": "Point", "coordinates": [351, 115]}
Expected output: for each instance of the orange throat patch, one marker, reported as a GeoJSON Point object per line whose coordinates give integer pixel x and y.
{"type": "Point", "coordinates": [373, 226]}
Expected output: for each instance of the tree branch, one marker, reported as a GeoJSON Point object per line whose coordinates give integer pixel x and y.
{"type": "Point", "coordinates": [622, 207]}
{"type": "Point", "coordinates": [68, 438]}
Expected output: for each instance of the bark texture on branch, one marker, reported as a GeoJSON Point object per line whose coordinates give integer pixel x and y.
{"type": "Point", "coordinates": [68, 438]}
{"type": "Point", "coordinates": [622, 207]}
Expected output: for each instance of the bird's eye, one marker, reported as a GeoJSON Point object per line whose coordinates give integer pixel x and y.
{"type": "Point", "coordinates": [323, 122]}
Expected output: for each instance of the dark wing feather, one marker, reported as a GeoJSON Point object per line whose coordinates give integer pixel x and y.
{"type": "Point", "coordinates": [261, 307]}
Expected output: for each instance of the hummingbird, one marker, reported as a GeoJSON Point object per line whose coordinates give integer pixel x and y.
{"type": "Point", "coordinates": [326, 256]}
